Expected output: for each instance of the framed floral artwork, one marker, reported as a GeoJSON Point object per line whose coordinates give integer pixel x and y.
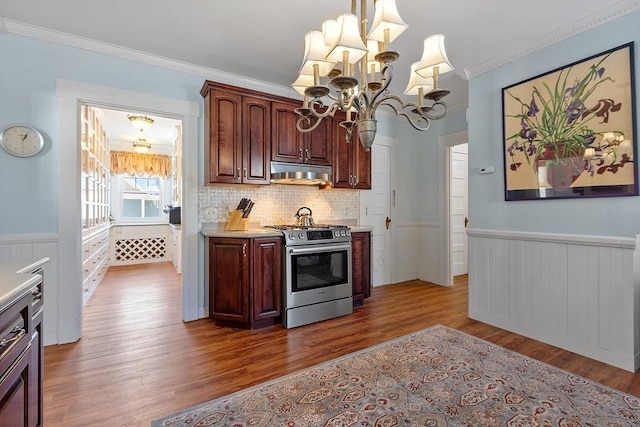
{"type": "Point", "coordinates": [570, 133]}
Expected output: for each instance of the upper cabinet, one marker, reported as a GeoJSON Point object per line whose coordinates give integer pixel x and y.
{"type": "Point", "coordinates": [237, 135]}
{"type": "Point", "coordinates": [292, 146]}
{"type": "Point", "coordinates": [351, 162]}
{"type": "Point", "coordinates": [245, 130]}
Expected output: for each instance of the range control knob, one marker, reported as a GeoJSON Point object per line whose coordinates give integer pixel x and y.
{"type": "Point", "coordinates": [291, 236]}
{"type": "Point", "coordinates": [343, 233]}
{"type": "Point", "coordinates": [301, 235]}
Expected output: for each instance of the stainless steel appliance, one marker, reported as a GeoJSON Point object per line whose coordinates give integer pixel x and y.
{"type": "Point", "coordinates": [317, 283]}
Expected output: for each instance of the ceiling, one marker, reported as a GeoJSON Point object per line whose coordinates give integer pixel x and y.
{"type": "Point", "coordinates": [264, 40]}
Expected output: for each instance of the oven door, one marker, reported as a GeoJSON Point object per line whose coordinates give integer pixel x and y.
{"type": "Point", "coordinates": [317, 273]}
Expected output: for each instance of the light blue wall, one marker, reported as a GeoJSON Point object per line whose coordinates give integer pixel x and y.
{"type": "Point", "coordinates": [611, 216]}
{"type": "Point", "coordinates": [417, 168]}
{"type": "Point", "coordinates": [29, 69]}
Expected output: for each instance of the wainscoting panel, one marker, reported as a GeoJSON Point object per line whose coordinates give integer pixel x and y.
{"type": "Point", "coordinates": [32, 247]}
{"type": "Point", "coordinates": [575, 292]}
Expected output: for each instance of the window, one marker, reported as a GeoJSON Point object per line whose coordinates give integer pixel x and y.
{"type": "Point", "coordinates": [141, 197]}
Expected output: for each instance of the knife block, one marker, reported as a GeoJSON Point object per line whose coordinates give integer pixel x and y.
{"type": "Point", "coordinates": [237, 223]}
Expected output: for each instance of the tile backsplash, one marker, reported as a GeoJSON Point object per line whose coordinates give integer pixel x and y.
{"type": "Point", "coordinates": [277, 204]}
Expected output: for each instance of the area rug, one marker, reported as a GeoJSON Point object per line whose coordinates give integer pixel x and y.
{"type": "Point", "coordinates": [435, 377]}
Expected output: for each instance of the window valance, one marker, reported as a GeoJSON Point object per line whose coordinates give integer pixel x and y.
{"type": "Point", "coordinates": [126, 162]}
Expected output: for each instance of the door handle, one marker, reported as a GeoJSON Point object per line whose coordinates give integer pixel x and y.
{"type": "Point", "coordinates": [466, 222]}
{"type": "Point", "coordinates": [387, 222]}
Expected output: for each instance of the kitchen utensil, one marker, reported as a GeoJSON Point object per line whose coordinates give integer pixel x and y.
{"type": "Point", "coordinates": [304, 220]}
{"type": "Point", "coordinates": [247, 210]}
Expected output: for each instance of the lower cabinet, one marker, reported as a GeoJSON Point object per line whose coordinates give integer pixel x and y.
{"type": "Point", "coordinates": [176, 247]}
{"type": "Point", "coordinates": [21, 362]}
{"type": "Point", "coordinates": [361, 266]}
{"type": "Point", "coordinates": [245, 281]}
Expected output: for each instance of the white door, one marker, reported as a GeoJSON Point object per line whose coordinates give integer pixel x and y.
{"type": "Point", "coordinates": [376, 207]}
{"type": "Point", "coordinates": [458, 209]}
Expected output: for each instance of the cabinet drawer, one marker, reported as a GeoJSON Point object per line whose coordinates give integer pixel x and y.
{"type": "Point", "coordinates": [14, 331]}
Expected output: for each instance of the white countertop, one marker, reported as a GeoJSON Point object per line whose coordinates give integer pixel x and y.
{"type": "Point", "coordinates": [15, 279]}
{"type": "Point", "coordinates": [217, 230]}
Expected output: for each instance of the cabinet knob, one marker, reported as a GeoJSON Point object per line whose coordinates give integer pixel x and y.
{"type": "Point", "coordinates": [306, 152]}
{"type": "Point", "coordinates": [245, 172]}
{"type": "Point", "coordinates": [300, 155]}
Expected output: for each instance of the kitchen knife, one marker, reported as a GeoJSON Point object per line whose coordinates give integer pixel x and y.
{"type": "Point", "coordinates": [247, 211]}
{"type": "Point", "coordinates": [243, 204]}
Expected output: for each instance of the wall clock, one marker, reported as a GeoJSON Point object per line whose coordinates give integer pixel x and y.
{"type": "Point", "coordinates": [21, 140]}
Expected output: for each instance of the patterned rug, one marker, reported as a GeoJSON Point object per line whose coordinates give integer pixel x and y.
{"type": "Point", "coordinates": [435, 377]}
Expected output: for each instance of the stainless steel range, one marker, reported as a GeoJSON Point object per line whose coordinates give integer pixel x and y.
{"type": "Point", "coordinates": [316, 273]}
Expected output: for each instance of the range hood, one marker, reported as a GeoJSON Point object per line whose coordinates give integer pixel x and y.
{"type": "Point", "coordinates": [300, 174]}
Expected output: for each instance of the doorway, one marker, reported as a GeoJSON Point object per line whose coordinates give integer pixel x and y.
{"type": "Point", "coordinates": [68, 295]}
{"type": "Point", "coordinates": [123, 212]}
{"type": "Point", "coordinates": [445, 144]}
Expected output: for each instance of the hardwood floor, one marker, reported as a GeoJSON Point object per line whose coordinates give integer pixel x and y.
{"type": "Point", "coordinates": [137, 361]}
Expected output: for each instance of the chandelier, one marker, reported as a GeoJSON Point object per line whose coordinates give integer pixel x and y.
{"type": "Point", "coordinates": [141, 145]}
{"type": "Point", "coordinates": [140, 122]}
{"type": "Point", "coordinates": [343, 41]}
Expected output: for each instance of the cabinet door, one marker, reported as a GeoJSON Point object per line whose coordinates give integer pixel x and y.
{"type": "Point", "coordinates": [36, 373]}
{"type": "Point", "coordinates": [14, 394]}
{"type": "Point", "coordinates": [229, 279]}
{"type": "Point", "coordinates": [361, 166]}
{"type": "Point", "coordinates": [256, 140]}
{"type": "Point", "coordinates": [223, 149]}
{"type": "Point", "coordinates": [361, 264]}
{"type": "Point", "coordinates": [286, 141]}
{"type": "Point", "coordinates": [319, 144]}
{"type": "Point", "coordinates": [342, 155]}
{"type": "Point", "coordinates": [266, 265]}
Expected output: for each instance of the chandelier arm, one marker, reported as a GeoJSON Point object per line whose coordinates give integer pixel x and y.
{"type": "Point", "coordinates": [302, 119]}
{"type": "Point", "coordinates": [330, 111]}
{"type": "Point", "coordinates": [415, 121]}
{"type": "Point", "coordinates": [386, 75]}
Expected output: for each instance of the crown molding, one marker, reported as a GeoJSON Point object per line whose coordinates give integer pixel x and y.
{"type": "Point", "coordinates": [619, 9]}
{"type": "Point", "coordinates": [40, 33]}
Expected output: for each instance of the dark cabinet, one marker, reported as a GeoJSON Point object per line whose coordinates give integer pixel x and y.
{"type": "Point", "coordinates": [237, 136]}
{"type": "Point", "coordinates": [361, 266]}
{"type": "Point", "coordinates": [16, 367]}
{"type": "Point", "coordinates": [292, 146]}
{"type": "Point", "coordinates": [244, 281]}
{"type": "Point", "coordinates": [351, 161]}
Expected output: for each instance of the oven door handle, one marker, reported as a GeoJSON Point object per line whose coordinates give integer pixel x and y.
{"type": "Point", "coordinates": [314, 249]}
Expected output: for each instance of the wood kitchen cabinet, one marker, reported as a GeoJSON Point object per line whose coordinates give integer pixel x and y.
{"type": "Point", "coordinates": [21, 361]}
{"type": "Point", "coordinates": [237, 135]}
{"type": "Point", "coordinates": [361, 266]}
{"type": "Point", "coordinates": [351, 162]}
{"type": "Point", "coordinates": [290, 145]}
{"type": "Point", "coordinates": [245, 281]}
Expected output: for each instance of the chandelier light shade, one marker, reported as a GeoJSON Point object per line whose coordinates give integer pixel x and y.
{"type": "Point", "coordinates": [140, 122]}
{"type": "Point", "coordinates": [349, 47]}
{"type": "Point", "coordinates": [327, 90]}
{"type": "Point", "coordinates": [315, 53]}
{"type": "Point", "coordinates": [387, 23]}
{"type": "Point", "coordinates": [141, 145]}
{"type": "Point", "coordinates": [433, 56]}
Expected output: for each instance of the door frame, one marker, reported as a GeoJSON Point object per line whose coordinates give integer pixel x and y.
{"type": "Point", "coordinates": [445, 142]}
{"type": "Point", "coordinates": [70, 96]}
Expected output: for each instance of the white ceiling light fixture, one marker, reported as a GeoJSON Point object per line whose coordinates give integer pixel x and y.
{"type": "Point", "coordinates": [141, 145]}
{"type": "Point", "coordinates": [140, 122]}
{"type": "Point", "coordinates": [344, 42]}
